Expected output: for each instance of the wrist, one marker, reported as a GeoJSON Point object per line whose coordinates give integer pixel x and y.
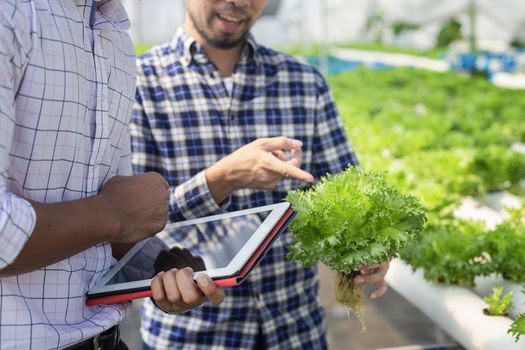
{"type": "Point", "coordinates": [219, 183]}
{"type": "Point", "coordinates": [110, 215]}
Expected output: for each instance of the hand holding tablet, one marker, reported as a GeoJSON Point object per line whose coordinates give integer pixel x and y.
{"type": "Point", "coordinates": [230, 245]}
{"type": "Point", "coordinates": [175, 290]}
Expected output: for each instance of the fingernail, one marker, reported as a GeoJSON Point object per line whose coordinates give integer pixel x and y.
{"type": "Point", "coordinates": [203, 280]}
{"type": "Point", "coordinates": [298, 143]}
{"type": "Point", "coordinates": [359, 280]}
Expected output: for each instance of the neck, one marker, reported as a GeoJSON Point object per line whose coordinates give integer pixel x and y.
{"type": "Point", "coordinates": [224, 59]}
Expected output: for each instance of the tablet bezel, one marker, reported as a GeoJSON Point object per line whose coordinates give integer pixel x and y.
{"type": "Point", "coordinates": [231, 270]}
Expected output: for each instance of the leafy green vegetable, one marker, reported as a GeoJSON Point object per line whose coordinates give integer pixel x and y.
{"type": "Point", "coordinates": [441, 136]}
{"type": "Point", "coordinates": [517, 328]}
{"type": "Point", "coordinates": [499, 167]}
{"type": "Point", "coordinates": [405, 111]}
{"type": "Point", "coordinates": [439, 178]}
{"type": "Point", "coordinates": [451, 252]}
{"type": "Point", "coordinates": [351, 219]}
{"type": "Point", "coordinates": [498, 304]}
{"type": "Point", "coordinates": [506, 246]}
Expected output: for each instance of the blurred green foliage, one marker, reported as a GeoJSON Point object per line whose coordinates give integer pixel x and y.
{"type": "Point", "coordinates": [441, 136]}
{"type": "Point", "coordinates": [449, 33]}
{"type": "Point", "coordinates": [140, 48]}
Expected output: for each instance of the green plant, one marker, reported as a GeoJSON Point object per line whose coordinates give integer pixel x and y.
{"type": "Point", "coordinates": [441, 136]}
{"type": "Point", "coordinates": [446, 130]}
{"type": "Point", "coordinates": [499, 167]}
{"type": "Point", "coordinates": [517, 328]}
{"type": "Point", "coordinates": [498, 304]}
{"type": "Point", "coordinates": [506, 246]}
{"type": "Point", "coordinates": [450, 32]}
{"type": "Point", "coordinates": [401, 27]}
{"type": "Point", "coordinates": [450, 252]}
{"type": "Point", "coordinates": [352, 219]}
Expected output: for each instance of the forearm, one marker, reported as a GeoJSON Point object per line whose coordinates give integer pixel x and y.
{"type": "Point", "coordinates": [193, 199]}
{"type": "Point", "coordinates": [220, 187]}
{"type": "Point", "coordinates": [63, 230]}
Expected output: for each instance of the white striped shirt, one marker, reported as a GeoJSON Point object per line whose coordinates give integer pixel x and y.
{"type": "Point", "coordinates": [66, 92]}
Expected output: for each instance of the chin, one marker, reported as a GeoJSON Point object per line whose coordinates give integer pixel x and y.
{"type": "Point", "coordinates": [226, 41]}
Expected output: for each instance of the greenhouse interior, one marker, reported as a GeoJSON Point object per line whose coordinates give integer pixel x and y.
{"type": "Point", "coordinates": [431, 93]}
{"type": "Point", "coordinates": [431, 96]}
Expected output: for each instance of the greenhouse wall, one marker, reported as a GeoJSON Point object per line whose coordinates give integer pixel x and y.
{"type": "Point", "coordinates": [336, 21]}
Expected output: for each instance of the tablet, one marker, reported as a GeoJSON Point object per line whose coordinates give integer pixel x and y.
{"type": "Point", "coordinates": [227, 246]}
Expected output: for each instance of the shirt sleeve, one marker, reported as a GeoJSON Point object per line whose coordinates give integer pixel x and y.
{"type": "Point", "coordinates": [124, 167]}
{"type": "Point", "coordinates": [187, 200]}
{"type": "Point", "coordinates": [331, 148]}
{"type": "Point", "coordinates": [17, 216]}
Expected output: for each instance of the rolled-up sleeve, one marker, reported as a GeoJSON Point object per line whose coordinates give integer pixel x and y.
{"type": "Point", "coordinates": [17, 216]}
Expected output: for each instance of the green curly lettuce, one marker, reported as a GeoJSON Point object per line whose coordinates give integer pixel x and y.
{"type": "Point", "coordinates": [451, 252]}
{"type": "Point", "coordinates": [517, 328]}
{"type": "Point", "coordinates": [351, 219]}
{"type": "Point", "coordinates": [498, 303]}
{"type": "Point", "coordinates": [506, 246]}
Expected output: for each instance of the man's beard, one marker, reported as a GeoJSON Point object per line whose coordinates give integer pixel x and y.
{"type": "Point", "coordinates": [222, 43]}
{"type": "Point", "coordinates": [226, 42]}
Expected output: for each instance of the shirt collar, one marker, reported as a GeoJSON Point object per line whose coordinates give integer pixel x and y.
{"type": "Point", "coordinates": [109, 14]}
{"type": "Point", "coordinates": [190, 50]}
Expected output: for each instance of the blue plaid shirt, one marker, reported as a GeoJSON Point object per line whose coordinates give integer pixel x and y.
{"type": "Point", "coordinates": [184, 121]}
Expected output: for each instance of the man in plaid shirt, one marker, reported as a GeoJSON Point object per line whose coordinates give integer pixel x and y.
{"type": "Point", "coordinates": [212, 106]}
{"type": "Point", "coordinates": [67, 81]}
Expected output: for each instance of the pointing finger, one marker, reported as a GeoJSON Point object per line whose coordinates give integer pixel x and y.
{"type": "Point", "coordinates": [286, 169]}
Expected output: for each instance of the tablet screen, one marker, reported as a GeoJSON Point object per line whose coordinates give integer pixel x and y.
{"type": "Point", "coordinates": [215, 244]}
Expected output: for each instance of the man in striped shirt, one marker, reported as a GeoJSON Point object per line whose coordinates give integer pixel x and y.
{"type": "Point", "coordinates": [212, 108]}
{"type": "Point", "coordinates": [67, 80]}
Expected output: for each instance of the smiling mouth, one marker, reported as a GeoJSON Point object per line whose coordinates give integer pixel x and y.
{"type": "Point", "coordinates": [230, 19]}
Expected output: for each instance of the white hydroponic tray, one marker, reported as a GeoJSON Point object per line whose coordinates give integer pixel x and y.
{"type": "Point", "coordinates": [457, 310]}
{"type": "Point", "coordinates": [499, 202]}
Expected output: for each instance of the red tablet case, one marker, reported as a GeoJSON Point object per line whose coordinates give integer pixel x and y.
{"type": "Point", "coordinates": [221, 281]}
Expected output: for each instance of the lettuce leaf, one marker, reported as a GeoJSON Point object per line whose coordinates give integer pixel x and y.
{"type": "Point", "coordinates": [451, 252]}
{"type": "Point", "coordinates": [506, 246]}
{"type": "Point", "coordinates": [351, 219]}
